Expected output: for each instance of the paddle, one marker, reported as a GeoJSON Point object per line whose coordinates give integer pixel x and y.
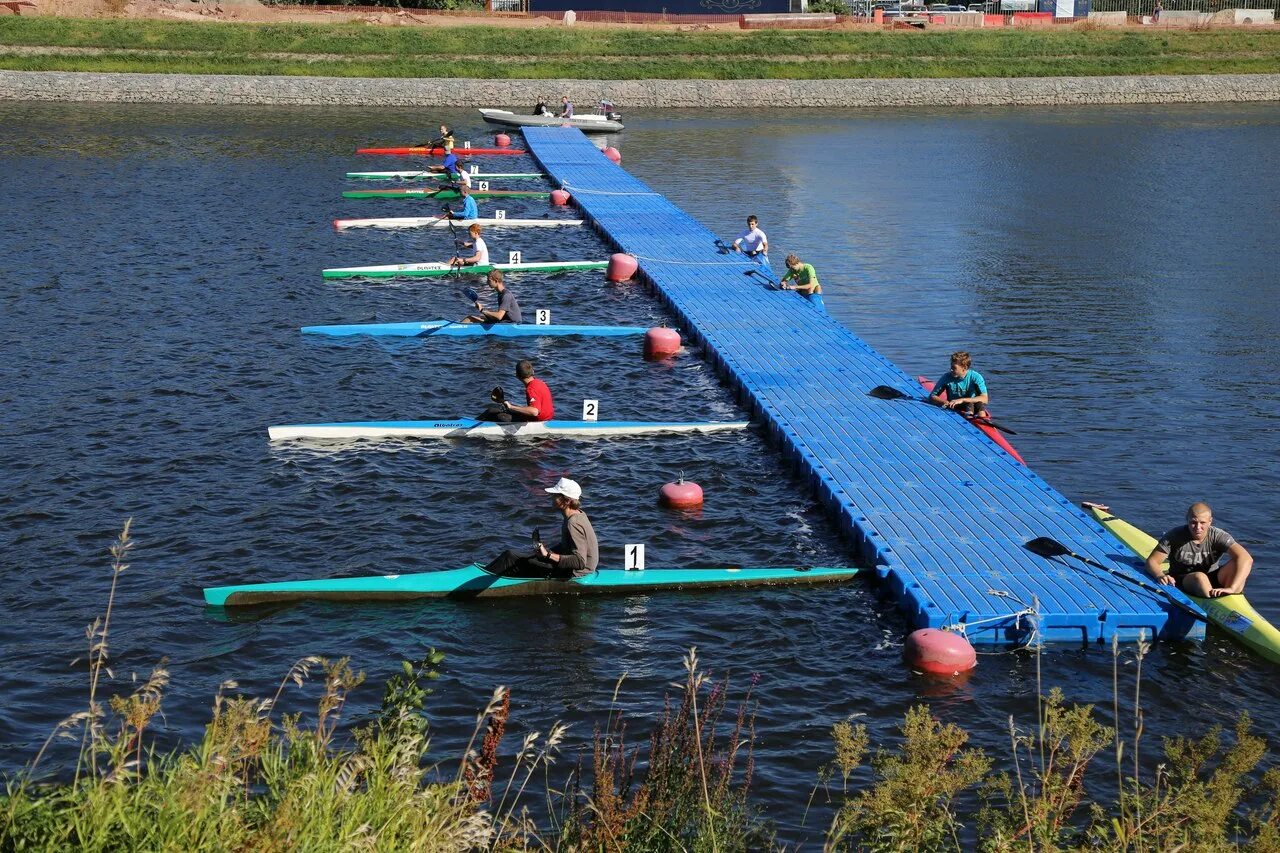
{"type": "Point", "coordinates": [770, 282]}
{"type": "Point", "coordinates": [1043, 546]}
{"type": "Point", "coordinates": [886, 392]}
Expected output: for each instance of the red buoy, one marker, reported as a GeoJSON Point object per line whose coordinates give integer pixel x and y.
{"type": "Point", "coordinates": [502, 140]}
{"type": "Point", "coordinates": [681, 495]}
{"type": "Point", "coordinates": [613, 154]}
{"type": "Point", "coordinates": [621, 267]}
{"type": "Point", "coordinates": [939, 652]}
{"type": "Point", "coordinates": [559, 197]}
{"type": "Point", "coordinates": [661, 342]}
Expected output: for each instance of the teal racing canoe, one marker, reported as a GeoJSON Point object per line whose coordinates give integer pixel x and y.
{"type": "Point", "coordinates": [473, 582]}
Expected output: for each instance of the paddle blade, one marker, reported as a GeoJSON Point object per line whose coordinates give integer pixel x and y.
{"type": "Point", "coordinates": [496, 394]}
{"type": "Point", "coordinates": [537, 535]}
{"type": "Point", "coordinates": [884, 392]}
{"type": "Point", "coordinates": [1046, 547]}
{"type": "Point", "coordinates": [470, 294]}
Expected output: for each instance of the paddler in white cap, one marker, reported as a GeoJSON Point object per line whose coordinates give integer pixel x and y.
{"type": "Point", "coordinates": [575, 555]}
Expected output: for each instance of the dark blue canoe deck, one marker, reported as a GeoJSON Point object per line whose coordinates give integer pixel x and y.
{"type": "Point", "coordinates": [939, 509]}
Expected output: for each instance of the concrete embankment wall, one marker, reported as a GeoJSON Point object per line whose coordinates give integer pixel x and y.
{"type": "Point", "coordinates": [631, 94]}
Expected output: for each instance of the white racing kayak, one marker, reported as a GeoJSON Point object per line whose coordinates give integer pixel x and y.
{"type": "Point", "coordinates": [440, 176]}
{"type": "Point", "coordinates": [450, 329]}
{"type": "Point", "coordinates": [430, 269]}
{"type": "Point", "coordinates": [471, 428]}
{"type": "Point", "coordinates": [444, 222]}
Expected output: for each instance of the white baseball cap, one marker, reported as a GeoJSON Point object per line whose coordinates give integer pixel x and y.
{"type": "Point", "coordinates": [566, 487]}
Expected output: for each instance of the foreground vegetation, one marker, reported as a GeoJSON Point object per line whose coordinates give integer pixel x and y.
{"type": "Point", "coordinates": [260, 781]}
{"type": "Point", "coordinates": [351, 50]}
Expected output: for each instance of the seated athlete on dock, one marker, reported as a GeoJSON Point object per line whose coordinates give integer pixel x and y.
{"type": "Point", "coordinates": [538, 404]}
{"type": "Point", "coordinates": [1193, 551]}
{"type": "Point", "coordinates": [508, 310]}
{"type": "Point", "coordinates": [753, 241]}
{"type": "Point", "coordinates": [961, 388]}
{"type": "Point", "coordinates": [804, 274]}
{"type": "Point", "coordinates": [576, 555]}
{"type": "Point", "coordinates": [470, 210]}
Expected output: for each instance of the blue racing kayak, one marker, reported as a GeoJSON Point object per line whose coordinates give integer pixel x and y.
{"type": "Point", "coordinates": [448, 328]}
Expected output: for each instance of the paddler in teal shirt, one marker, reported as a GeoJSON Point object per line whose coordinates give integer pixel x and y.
{"type": "Point", "coordinates": [961, 389]}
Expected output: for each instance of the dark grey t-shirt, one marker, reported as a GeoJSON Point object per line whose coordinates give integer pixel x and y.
{"type": "Point", "coordinates": [509, 304]}
{"type": "Point", "coordinates": [1186, 556]}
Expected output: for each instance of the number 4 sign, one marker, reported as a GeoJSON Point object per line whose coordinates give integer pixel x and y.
{"type": "Point", "coordinates": [634, 558]}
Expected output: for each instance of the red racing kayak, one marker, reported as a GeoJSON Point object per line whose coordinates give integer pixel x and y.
{"type": "Point", "coordinates": [437, 152]}
{"type": "Point", "coordinates": [994, 434]}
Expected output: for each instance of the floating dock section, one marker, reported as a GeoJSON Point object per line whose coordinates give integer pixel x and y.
{"type": "Point", "coordinates": [937, 508]}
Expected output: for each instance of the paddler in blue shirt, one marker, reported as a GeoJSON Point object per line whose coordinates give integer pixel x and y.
{"type": "Point", "coordinates": [469, 209]}
{"type": "Point", "coordinates": [449, 164]}
{"type": "Point", "coordinates": [961, 388]}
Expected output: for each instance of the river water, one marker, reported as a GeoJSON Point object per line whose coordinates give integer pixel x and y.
{"type": "Point", "coordinates": [1113, 271]}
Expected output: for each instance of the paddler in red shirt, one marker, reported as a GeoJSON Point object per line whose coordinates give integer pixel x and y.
{"type": "Point", "coordinates": [538, 405]}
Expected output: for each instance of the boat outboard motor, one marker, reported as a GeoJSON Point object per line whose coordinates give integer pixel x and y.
{"type": "Point", "coordinates": [606, 107]}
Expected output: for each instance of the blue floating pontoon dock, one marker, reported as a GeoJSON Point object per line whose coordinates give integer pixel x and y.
{"type": "Point", "coordinates": [938, 509]}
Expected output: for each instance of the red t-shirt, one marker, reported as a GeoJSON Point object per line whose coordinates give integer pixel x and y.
{"type": "Point", "coordinates": [538, 394]}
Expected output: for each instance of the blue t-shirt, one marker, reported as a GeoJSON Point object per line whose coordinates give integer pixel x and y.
{"type": "Point", "coordinates": [469, 208]}
{"type": "Point", "coordinates": [972, 385]}
{"type": "Point", "coordinates": [450, 161]}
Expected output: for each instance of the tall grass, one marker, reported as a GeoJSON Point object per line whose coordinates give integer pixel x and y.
{"type": "Point", "coordinates": [259, 779]}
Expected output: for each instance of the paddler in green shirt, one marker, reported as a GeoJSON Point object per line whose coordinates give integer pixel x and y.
{"type": "Point", "coordinates": [805, 276]}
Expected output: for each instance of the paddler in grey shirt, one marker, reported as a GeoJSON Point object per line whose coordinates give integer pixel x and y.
{"type": "Point", "coordinates": [508, 308]}
{"type": "Point", "coordinates": [575, 555]}
{"type": "Point", "coordinates": [1193, 551]}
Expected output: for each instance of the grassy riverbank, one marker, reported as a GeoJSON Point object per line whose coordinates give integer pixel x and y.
{"type": "Point", "coordinates": [357, 50]}
{"type": "Point", "coordinates": [261, 779]}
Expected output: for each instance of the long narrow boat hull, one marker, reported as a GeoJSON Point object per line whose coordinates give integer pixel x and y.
{"type": "Point", "coordinates": [446, 328]}
{"type": "Point", "coordinates": [420, 151]}
{"type": "Point", "coordinates": [990, 431]}
{"type": "Point", "coordinates": [444, 222]}
{"type": "Point", "coordinates": [587, 123]}
{"type": "Point", "coordinates": [471, 428]}
{"type": "Point", "coordinates": [420, 175]}
{"type": "Point", "coordinates": [1232, 613]}
{"type": "Point", "coordinates": [437, 270]}
{"type": "Point", "coordinates": [473, 582]}
{"type": "Point", "coordinates": [428, 193]}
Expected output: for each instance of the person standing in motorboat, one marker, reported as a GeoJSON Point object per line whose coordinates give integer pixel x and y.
{"type": "Point", "coordinates": [508, 310]}
{"type": "Point", "coordinates": [566, 108]}
{"type": "Point", "coordinates": [576, 555]}
{"type": "Point", "coordinates": [538, 404]}
{"type": "Point", "coordinates": [753, 243]}
{"type": "Point", "coordinates": [481, 255]}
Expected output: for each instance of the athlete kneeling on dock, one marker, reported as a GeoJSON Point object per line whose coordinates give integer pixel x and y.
{"type": "Point", "coordinates": [576, 554]}
{"type": "Point", "coordinates": [538, 405]}
{"type": "Point", "coordinates": [961, 388]}
{"type": "Point", "coordinates": [805, 276]}
{"type": "Point", "coordinates": [508, 308]}
{"type": "Point", "coordinates": [753, 241]}
{"type": "Point", "coordinates": [1193, 551]}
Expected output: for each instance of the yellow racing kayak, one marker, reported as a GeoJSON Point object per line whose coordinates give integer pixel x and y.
{"type": "Point", "coordinates": [1232, 613]}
